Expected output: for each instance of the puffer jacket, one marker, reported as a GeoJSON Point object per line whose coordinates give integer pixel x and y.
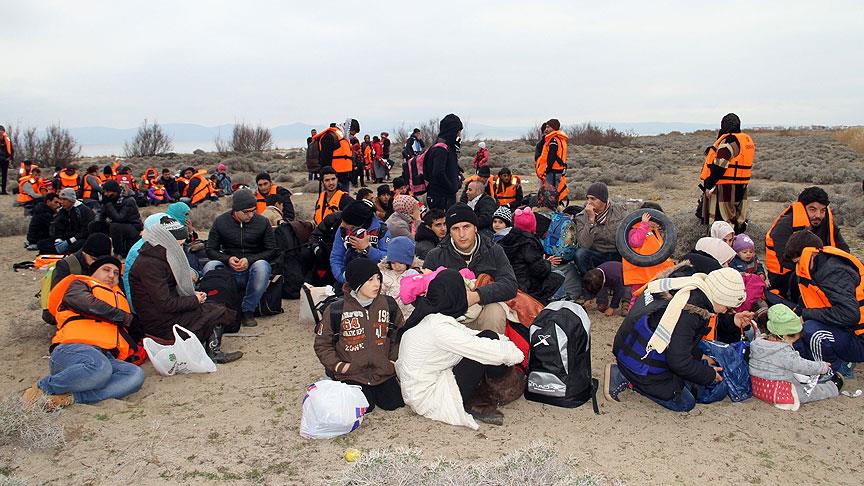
{"type": "Point", "coordinates": [364, 339]}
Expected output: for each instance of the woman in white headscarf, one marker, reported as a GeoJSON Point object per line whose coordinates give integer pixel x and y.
{"type": "Point", "coordinates": [723, 231]}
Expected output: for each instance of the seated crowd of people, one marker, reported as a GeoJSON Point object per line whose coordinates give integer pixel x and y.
{"type": "Point", "coordinates": [424, 284]}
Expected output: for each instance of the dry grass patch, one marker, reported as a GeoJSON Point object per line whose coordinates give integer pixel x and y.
{"type": "Point", "coordinates": [29, 427]}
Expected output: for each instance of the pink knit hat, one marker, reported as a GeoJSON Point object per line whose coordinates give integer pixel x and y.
{"type": "Point", "coordinates": [525, 220]}
{"type": "Point", "coordinates": [220, 167]}
{"type": "Point", "coordinates": [404, 204]}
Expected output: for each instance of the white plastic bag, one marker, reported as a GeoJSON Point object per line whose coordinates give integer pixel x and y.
{"type": "Point", "coordinates": [310, 297]}
{"type": "Point", "coordinates": [332, 408]}
{"type": "Point", "coordinates": [183, 357]}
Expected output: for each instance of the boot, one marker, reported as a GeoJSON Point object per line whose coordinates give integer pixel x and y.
{"type": "Point", "coordinates": [33, 395]}
{"type": "Point", "coordinates": [214, 349]}
{"type": "Point", "coordinates": [248, 319]}
{"type": "Point", "coordinates": [491, 417]}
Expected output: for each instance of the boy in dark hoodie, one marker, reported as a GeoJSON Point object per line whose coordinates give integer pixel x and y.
{"type": "Point", "coordinates": [356, 339]}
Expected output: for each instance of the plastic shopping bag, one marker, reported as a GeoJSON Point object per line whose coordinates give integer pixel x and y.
{"type": "Point", "coordinates": [736, 373]}
{"type": "Point", "coordinates": [183, 357]}
{"type": "Point", "coordinates": [332, 408]}
{"type": "Point", "coordinates": [312, 303]}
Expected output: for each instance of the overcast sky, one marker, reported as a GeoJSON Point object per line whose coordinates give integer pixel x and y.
{"type": "Point", "coordinates": [114, 63]}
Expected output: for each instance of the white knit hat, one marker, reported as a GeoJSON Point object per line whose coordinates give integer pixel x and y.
{"type": "Point", "coordinates": [725, 287]}
{"type": "Point", "coordinates": [717, 248]}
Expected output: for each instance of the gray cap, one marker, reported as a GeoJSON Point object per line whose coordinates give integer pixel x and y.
{"type": "Point", "coordinates": [243, 199]}
{"type": "Point", "coordinates": [68, 194]}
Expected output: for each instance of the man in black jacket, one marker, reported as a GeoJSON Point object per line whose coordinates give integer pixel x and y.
{"type": "Point", "coordinates": [430, 232]}
{"type": "Point", "coordinates": [441, 167]}
{"type": "Point", "coordinates": [39, 229]}
{"type": "Point", "coordinates": [833, 330]}
{"type": "Point", "coordinates": [483, 205]}
{"type": "Point", "coordinates": [242, 241]}
{"type": "Point", "coordinates": [413, 145]}
{"type": "Point", "coordinates": [121, 212]}
{"type": "Point", "coordinates": [170, 184]}
{"type": "Point", "coordinates": [71, 224]}
{"type": "Point", "coordinates": [466, 248]}
{"type": "Point", "coordinates": [7, 156]}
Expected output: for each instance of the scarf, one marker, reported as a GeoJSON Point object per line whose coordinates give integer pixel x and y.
{"type": "Point", "coordinates": [501, 234]}
{"type": "Point", "coordinates": [365, 303]}
{"type": "Point", "coordinates": [601, 218]}
{"type": "Point", "coordinates": [467, 256]}
{"type": "Point", "coordinates": [660, 339]}
{"type": "Point", "coordinates": [159, 236]}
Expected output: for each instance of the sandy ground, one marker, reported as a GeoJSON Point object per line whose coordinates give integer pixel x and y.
{"type": "Point", "coordinates": [241, 423]}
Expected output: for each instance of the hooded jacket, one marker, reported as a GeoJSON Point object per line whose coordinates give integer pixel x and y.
{"type": "Point", "coordinates": [838, 280]}
{"type": "Point", "coordinates": [441, 167]}
{"type": "Point", "coordinates": [339, 255]}
{"type": "Point", "coordinates": [72, 222]}
{"type": "Point", "coordinates": [253, 240]}
{"type": "Point", "coordinates": [365, 340]}
{"type": "Point", "coordinates": [533, 272]}
{"type": "Point", "coordinates": [425, 239]}
{"type": "Point", "coordinates": [488, 258]}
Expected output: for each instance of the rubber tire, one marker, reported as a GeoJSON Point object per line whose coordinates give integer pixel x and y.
{"type": "Point", "coordinates": [670, 238]}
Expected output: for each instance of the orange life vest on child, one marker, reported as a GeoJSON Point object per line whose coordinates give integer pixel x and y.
{"type": "Point", "coordinates": [740, 167]}
{"type": "Point", "coordinates": [813, 297]}
{"type": "Point", "coordinates": [74, 327]}
{"type": "Point", "coordinates": [636, 275]}
{"type": "Point", "coordinates": [159, 192]}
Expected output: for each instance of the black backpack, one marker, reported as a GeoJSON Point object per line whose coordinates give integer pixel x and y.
{"type": "Point", "coordinates": [220, 287]}
{"type": "Point", "coordinates": [559, 361]}
{"type": "Point", "coordinates": [271, 302]}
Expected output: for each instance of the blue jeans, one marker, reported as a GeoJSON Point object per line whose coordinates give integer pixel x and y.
{"type": "Point", "coordinates": [254, 280]}
{"type": "Point", "coordinates": [682, 402]}
{"type": "Point", "coordinates": [836, 345]}
{"type": "Point", "coordinates": [90, 374]}
{"type": "Point", "coordinates": [553, 178]}
{"type": "Point", "coordinates": [572, 286]}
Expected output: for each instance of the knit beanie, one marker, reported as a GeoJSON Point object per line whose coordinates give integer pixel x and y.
{"type": "Point", "coordinates": [358, 213]}
{"type": "Point", "coordinates": [359, 271]}
{"type": "Point", "coordinates": [178, 230]}
{"type": "Point", "coordinates": [782, 321]}
{"type": "Point", "coordinates": [401, 250]}
{"type": "Point", "coordinates": [460, 213]}
{"type": "Point", "coordinates": [97, 245]}
{"type": "Point", "coordinates": [726, 287]}
{"type": "Point", "coordinates": [743, 242]}
{"type": "Point", "coordinates": [68, 194]}
{"type": "Point", "coordinates": [525, 220]}
{"type": "Point", "coordinates": [243, 199]}
{"type": "Point", "coordinates": [599, 190]}
{"type": "Point", "coordinates": [484, 171]}
{"type": "Point", "coordinates": [109, 186]}
{"type": "Point", "coordinates": [107, 259]}
{"type": "Point", "coordinates": [404, 204]}
{"type": "Point", "coordinates": [554, 124]}
{"type": "Point", "coordinates": [717, 248]}
{"type": "Point", "coordinates": [504, 214]}
{"type": "Point", "coordinates": [721, 229]}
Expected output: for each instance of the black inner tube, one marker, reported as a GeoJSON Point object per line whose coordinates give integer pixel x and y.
{"type": "Point", "coordinates": [670, 238]}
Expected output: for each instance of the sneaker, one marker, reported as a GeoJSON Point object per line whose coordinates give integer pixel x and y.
{"type": "Point", "coordinates": [614, 382]}
{"type": "Point", "coordinates": [248, 320]}
{"type": "Point", "coordinates": [34, 396]}
{"type": "Point", "coordinates": [838, 381]}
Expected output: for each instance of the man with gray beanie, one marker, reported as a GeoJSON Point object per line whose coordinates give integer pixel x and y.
{"type": "Point", "coordinates": [242, 241]}
{"type": "Point", "coordinates": [71, 224]}
{"type": "Point", "coordinates": [596, 226]}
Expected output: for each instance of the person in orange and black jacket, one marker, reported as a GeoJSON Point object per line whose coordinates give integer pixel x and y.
{"type": "Point", "coordinates": [7, 156]}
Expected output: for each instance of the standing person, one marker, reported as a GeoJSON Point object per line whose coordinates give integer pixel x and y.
{"type": "Point", "coordinates": [413, 145]}
{"type": "Point", "coordinates": [551, 163]}
{"type": "Point", "coordinates": [367, 156]}
{"type": "Point", "coordinates": [7, 157]}
{"type": "Point", "coordinates": [223, 180]}
{"type": "Point", "coordinates": [481, 159]}
{"type": "Point", "coordinates": [726, 174]}
{"type": "Point", "coordinates": [443, 164]}
{"type": "Point", "coordinates": [379, 165]}
{"type": "Point", "coordinates": [385, 153]}
{"type": "Point", "coordinates": [812, 212]}
{"type": "Point", "coordinates": [242, 240]}
{"type": "Point", "coordinates": [313, 166]}
{"type": "Point", "coordinates": [331, 198]}
{"type": "Point", "coordinates": [334, 150]}
{"type": "Point", "coordinates": [356, 338]}
{"type": "Point", "coordinates": [71, 225]}
{"type": "Point", "coordinates": [92, 341]}
{"type": "Point", "coordinates": [121, 211]}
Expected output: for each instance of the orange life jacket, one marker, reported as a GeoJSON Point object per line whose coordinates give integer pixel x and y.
{"type": "Point", "coordinates": [505, 194]}
{"type": "Point", "coordinates": [542, 161]}
{"type": "Point", "coordinates": [712, 329]}
{"type": "Point", "coordinates": [147, 179]}
{"type": "Point", "coordinates": [800, 221]}
{"type": "Point", "coordinates": [343, 160]}
{"type": "Point", "coordinates": [261, 199]}
{"type": "Point", "coordinates": [24, 170]}
{"type": "Point", "coordinates": [740, 167]}
{"type": "Point", "coordinates": [813, 297]}
{"type": "Point", "coordinates": [367, 154]}
{"type": "Point", "coordinates": [74, 327]}
{"type": "Point", "coordinates": [323, 209]}
{"type": "Point", "coordinates": [23, 197]}
{"type": "Point", "coordinates": [202, 190]}
{"type": "Point", "coordinates": [86, 188]}
{"type": "Point", "coordinates": [159, 192]}
{"type": "Point", "coordinates": [67, 180]}
{"type": "Point", "coordinates": [635, 275]}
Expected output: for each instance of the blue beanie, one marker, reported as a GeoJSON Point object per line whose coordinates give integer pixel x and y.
{"type": "Point", "coordinates": [401, 250]}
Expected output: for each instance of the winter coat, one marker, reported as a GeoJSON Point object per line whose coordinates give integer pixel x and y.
{"type": "Point", "coordinates": [783, 230]}
{"type": "Point", "coordinates": [400, 224]}
{"type": "Point", "coordinates": [385, 148]}
{"type": "Point", "coordinates": [683, 358]}
{"type": "Point", "coordinates": [223, 182]}
{"type": "Point", "coordinates": [489, 258]}
{"type": "Point", "coordinates": [390, 285]}
{"type": "Point", "coordinates": [485, 209]}
{"type": "Point", "coordinates": [778, 361]}
{"type": "Point", "coordinates": [365, 340]}
{"type": "Point", "coordinates": [533, 272]}
{"type": "Point", "coordinates": [425, 239]}
{"type": "Point", "coordinates": [253, 240]}
{"type": "Point", "coordinates": [481, 159]}
{"type": "Point", "coordinates": [40, 223]}
{"type": "Point", "coordinates": [72, 222]}
{"type": "Point", "coordinates": [124, 210]}
{"type": "Point", "coordinates": [340, 256]}
{"type": "Point", "coordinates": [599, 237]}
{"type": "Point", "coordinates": [170, 185]}
{"type": "Point", "coordinates": [427, 354]}
{"type": "Point", "coordinates": [441, 170]}
{"type": "Point", "coordinates": [158, 306]}
{"type": "Point", "coordinates": [838, 280]}
{"type": "Point", "coordinates": [312, 163]}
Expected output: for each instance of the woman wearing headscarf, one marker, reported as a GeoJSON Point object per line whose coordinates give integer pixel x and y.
{"type": "Point", "coordinates": [406, 215]}
{"type": "Point", "coordinates": [193, 246]}
{"type": "Point", "coordinates": [151, 221]}
{"type": "Point", "coordinates": [441, 362]}
{"type": "Point", "coordinates": [724, 231]}
{"type": "Point", "coordinates": [164, 294]}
